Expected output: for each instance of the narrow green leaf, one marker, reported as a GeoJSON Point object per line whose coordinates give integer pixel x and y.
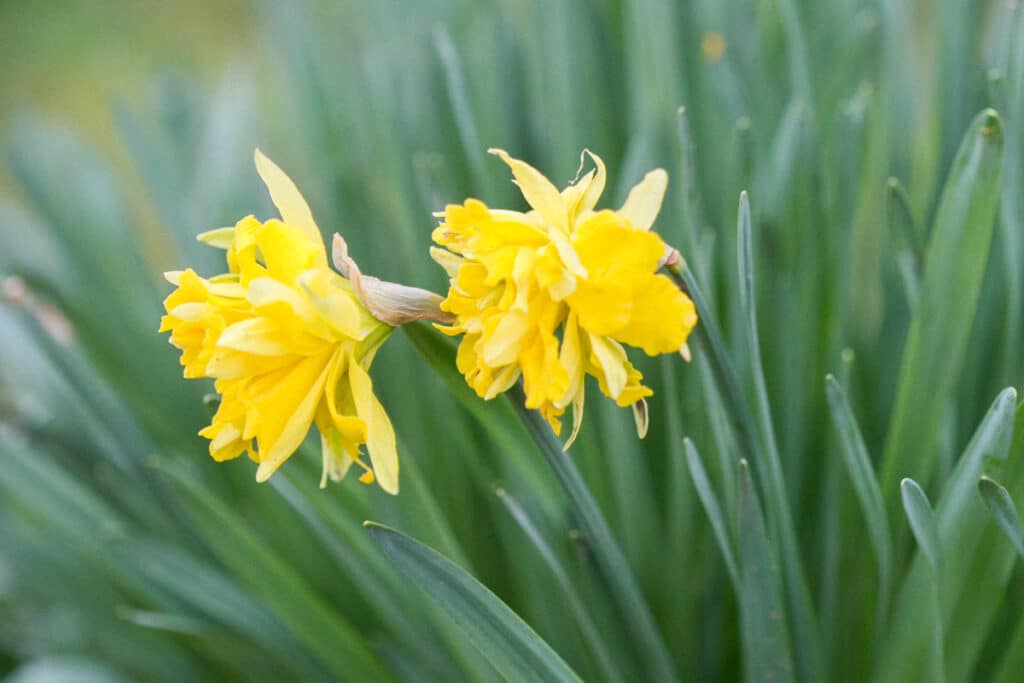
{"type": "Point", "coordinates": [514, 649]}
{"type": "Point", "coordinates": [1000, 504]}
{"type": "Point", "coordinates": [964, 551]}
{"type": "Point", "coordinates": [607, 553]}
{"type": "Point", "coordinates": [766, 645]}
{"type": "Point", "coordinates": [709, 499]}
{"type": "Point", "coordinates": [955, 263]}
{"type": "Point", "coordinates": [456, 85]}
{"type": "Point", "coordinates": [313, 621]}
{"type": "Point", "coordinates": [802, 620]}
{"type": "Point", "coordinates": [862, 475]}
{"type": "Point", "coordinates": [907, 236]}
{"type": "Point", "coordinates": [922, 522]}
{"type": "Point", "coordinates": [589, 631]}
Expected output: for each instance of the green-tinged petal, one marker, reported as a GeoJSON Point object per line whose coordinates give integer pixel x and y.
{"type": "Point", "coordinates": [221, 238]}
{"type": "Point", "coordinates": [336, 461]}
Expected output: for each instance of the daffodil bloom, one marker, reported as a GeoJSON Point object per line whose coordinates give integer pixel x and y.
{"type": "Point", "coordinates": [552, 294]}
{"type": "Point", "coordinates": [288, 342]}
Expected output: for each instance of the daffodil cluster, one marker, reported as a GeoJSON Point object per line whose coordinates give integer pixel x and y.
{"type": "Point", "coordinates": [552, 294]}
{"type": "Point", "coordinates": [288, 342]}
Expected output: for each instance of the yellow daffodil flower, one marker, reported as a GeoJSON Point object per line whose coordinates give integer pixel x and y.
{"type": "Point", "coordinates": [552, 294]}
{"type": "Point", "coordinates": [288, 342]}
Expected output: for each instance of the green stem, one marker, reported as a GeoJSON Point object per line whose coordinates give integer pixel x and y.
{"type": "Point", "coordinates": [607, 554]}
{"type": "Point", "coordinates": [710, 338]}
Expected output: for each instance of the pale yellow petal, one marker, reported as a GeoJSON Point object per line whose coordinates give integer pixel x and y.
{"type": "Point", "coordinates": [538, 191]}
{"type": "Point", "coordinates": [380, 435]}
{"type": "Point", "coordinates": [611, 357]}
{"type": "Point", "coordinates": [644, 200]}
{"type": "Point", "coordinates": [221, 238]}
{"type": "Point", "coordinates": [577, 417]}
{"type": "Point", "coordinates": [288, 200]}
{"type": "Point", "coordinates": [447, 260]}
{"type": "Point", "coordinates": [259, 336]}
{"type": "Point", "coordinates": [336, 462]}
{"type": "Point", "coordinates": [503, 345]}
{"type": "Point", "coordinates": [582, 197]}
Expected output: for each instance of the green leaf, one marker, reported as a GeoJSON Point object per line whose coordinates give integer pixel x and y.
{"type": "Point", "coordinates": [588, 629]}
{"type": "Point", "coordinates": [907, 237]}
{"type": "Point", "coordinates": [713, 509]}
{"type": "Point", "coordinates": [608, 555]}
{"type": "Point", "coordinates": [862, 475]}
{"type": "Point", "coordinates": [955, 263]}
{"type": "Point", "coordinates": [514, 649]}
{"type": "Point", "coordinates": [766, 645]}
{"type": "Point", "coordinates": [964, 552]}
{"type": "Point", "coordinates": [922, 522]}
{"type": "Point", "coordinates": [316, 624]}
{"type": "Point", "coordinates": [802, 620]}
{"type": "Point", "coordinates": [1000, 504]}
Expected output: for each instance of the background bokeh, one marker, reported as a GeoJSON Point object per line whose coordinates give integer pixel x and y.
{"type": "Point", "coordinates": [126, 128]}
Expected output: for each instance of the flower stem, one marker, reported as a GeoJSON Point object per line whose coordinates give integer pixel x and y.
{"type": "Point", "coordinates": [607, 554]}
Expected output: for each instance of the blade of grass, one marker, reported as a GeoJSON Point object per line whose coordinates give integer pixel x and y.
{"type": "Point", "coordinates": [709, 499]}
{"type": "Point", "coordinates": [325, 632]}
{"type": "Point", "coordinates": [514, 649]}
{"type": "Point", "coordinates": [607, 554]}
{"type": "Point", "coordinates": [961, 520]}
{"type": "Point", "coordinates": [588, 629]}
{"type": "Point", "coordinates": [862, 475]}
{"type": "Point", "coordinates": [766, 645]}
{"type": "Point", "coordinates": [922, 522]}
{"type": "Point", "coordinates": [998, 501]}
{"type": "Point", "coordinates": [954, 267]}
{"type": "Point", "coordinates": [799, 610]}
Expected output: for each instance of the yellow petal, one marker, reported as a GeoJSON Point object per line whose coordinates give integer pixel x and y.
{"type": "Point", "coordinates": [611, 358]}
{"type": "Point", "coordinates": [447, 260]}
{"type": "Point", "coordinates": [538, 191]}
{"type": "Point", "coordinates": [335, 461]}
{"type": "Point", "coordinates": [644, 200]}
{"type": "Point", "coordinates": [581, 197]}
{"type": "Point", "coordinates": [380, 436]}
{"type": "Point", "coordinates": [260, 336]}
{"type": "Point", "coordinates": [288, 200]}
{"type": "Point", "coordinates": [577, 417]}
{"type": "Point", "coordinates": [660, 319]}
{"type": "Point", "coordinates": [503, 344]}
{"type": "Point", "coordinates": [221, 238]}
{"type": "Point", "coordinates": [570, 357]}
{"type": "Point", "coordinates": [287, 413]}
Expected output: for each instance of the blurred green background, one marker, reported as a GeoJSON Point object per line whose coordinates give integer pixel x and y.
{"type": "Point", "coordinates": [126, 128]}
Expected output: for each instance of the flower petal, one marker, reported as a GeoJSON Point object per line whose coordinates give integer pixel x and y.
{"type": "Point", "coordinates": [380, 435]}
{"type": "Point", "coordinates": [581, 197]}
{"type": "Point", "coordinates": [644, 200]}
{"type": "Point", "coordinates": [288, 200]}
{"type": "Point", "coordinates": [661, 318]}
{"type": "Point", "coordinates": [611, 358]}
{"type": "Point", "coordinates": [287, 413]}
{"type": "Point", "coordinates": [538, 191]}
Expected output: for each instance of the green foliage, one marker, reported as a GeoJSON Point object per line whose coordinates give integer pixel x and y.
{"type": "Point", "coordinates": [884, 221]}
